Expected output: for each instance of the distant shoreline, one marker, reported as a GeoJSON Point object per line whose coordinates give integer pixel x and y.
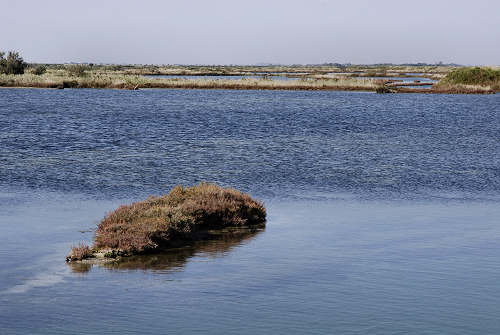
{"type": "Point", "coordinates": [383, 79]}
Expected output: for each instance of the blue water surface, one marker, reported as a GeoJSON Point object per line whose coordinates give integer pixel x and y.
{"type": "Point", "coordinates": [383, 211]}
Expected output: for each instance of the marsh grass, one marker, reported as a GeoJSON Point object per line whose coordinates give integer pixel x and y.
{"type": "Point", "coordinates": [445, 87]}
{"type": "Point", "coordinates": [470, 80]}
{"type": "Point", "coordinates": [94, 79]}
{"type": "Point", "coordinates": [268, 84]}
{"type": "Point", "coordinates": [39, 70]}
{"type": "Point", "coordinates": [350, 78]}
{"type": "Point", "coordinates": [79, 252]}
{"type": "Point", "coordinates": [474, 76]}
{"type": "Point", "coordinates": [185, 214]}
{"type": "Point", "coordinates": [474, 79]}
{"type": "Point", "coordinates": [77, 70]}
{"type": "Point", "coordinates": [249, 70]}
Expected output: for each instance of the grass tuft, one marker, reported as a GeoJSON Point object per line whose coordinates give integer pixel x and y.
{"type": "Point", "coordinates": [79, 252]}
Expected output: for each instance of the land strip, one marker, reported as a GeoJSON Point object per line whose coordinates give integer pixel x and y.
{"type": "Point", "coordinates": [393, 79]}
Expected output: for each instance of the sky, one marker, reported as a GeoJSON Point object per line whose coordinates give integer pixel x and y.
{"type": "Point", "coordinates": [253, 31]}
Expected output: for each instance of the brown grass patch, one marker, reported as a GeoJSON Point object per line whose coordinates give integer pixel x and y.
{"type": "Point", "coordinates": [118, 81]}
{"type": "Point", "coordinates": [79, 252]}
{"type": "Point", "coordinates": [185, 214]}
{"type": "Point", "coordinates": [445, 87]}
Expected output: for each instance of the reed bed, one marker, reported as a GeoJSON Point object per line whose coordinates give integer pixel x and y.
{"type": "Point", "coordinates": [444, 87]}
{"type": "Point", "coordinates": [112, 80]}
{"type": "Point", "coordinates": [227, 70]}
{"type": "Point", "coordinates": [451, 80]}
{"type": "Point", "coordinates": [267, 84]}
{"type": "Point", "coordinates": [471, 80]}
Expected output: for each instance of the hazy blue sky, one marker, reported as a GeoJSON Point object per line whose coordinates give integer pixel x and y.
{"type": "Point", "coordinates": [253, 31]}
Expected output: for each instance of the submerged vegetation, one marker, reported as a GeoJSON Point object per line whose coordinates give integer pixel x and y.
{"type": "Point", "coordinates": [185, 214]}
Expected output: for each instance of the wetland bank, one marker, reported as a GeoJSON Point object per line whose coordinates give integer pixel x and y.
{"type": "Point", "coordinates": [334, 77]}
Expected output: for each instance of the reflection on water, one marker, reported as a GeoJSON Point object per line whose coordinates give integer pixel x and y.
{"type": "Point", "coordinates": [174, 259]}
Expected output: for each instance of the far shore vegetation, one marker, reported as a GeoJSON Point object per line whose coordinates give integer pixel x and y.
{"type": "Point", "coordinates": [184, 215]}
{"type": "Point", "coordinates": [12, 63]}
{"type": "Point", "coordinates": [382, 78]}
{"type": "Point", "coordinates": [471, 78]}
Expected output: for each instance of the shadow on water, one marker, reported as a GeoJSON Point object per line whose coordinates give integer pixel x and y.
{"type": "Point", "coordinates": [175, 259]}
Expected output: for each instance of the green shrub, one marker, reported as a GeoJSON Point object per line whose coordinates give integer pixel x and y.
{"type": "Point", "coordinates": [39, 70]}
{"type": "Point", "coordinates": [473, 76]}
{"type": "Point", "coordinates": [13, 64]}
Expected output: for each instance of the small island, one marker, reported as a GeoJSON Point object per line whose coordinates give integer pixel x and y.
{"type": "Point", "coordinates": [174, 220]}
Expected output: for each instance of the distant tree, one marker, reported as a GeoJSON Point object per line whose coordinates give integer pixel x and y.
{"type": "Point", "coordinates": [3, 62]}
{"type": "Point", "coordinates": [13, 64]}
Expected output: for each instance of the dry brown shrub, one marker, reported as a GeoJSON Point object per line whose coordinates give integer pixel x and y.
{"type": "Point", "coordinates": [180, 215]}
{"type": "Point", "coordinates": [79, 252]}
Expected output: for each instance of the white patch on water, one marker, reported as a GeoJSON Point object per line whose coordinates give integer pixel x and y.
{"type": "Point", "coordinates": [36, 233]}
{"type": "Point", "coordinates": [40, 280]}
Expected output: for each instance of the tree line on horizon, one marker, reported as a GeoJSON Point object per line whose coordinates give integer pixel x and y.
{"type": "Point", "coordinates": [12, 64]}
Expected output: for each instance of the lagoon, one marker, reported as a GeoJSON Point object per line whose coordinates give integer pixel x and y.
{"type": "Point", "coordinates": [382, 211]}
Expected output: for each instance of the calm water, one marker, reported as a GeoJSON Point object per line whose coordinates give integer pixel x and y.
{"type": "Point", "coordinates": [383, 211]}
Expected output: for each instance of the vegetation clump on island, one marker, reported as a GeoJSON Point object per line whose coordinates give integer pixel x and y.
{"type": "Point", "coordinates": [471, 80]}
{"type": "Point", "coordinates": [183, 215]}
